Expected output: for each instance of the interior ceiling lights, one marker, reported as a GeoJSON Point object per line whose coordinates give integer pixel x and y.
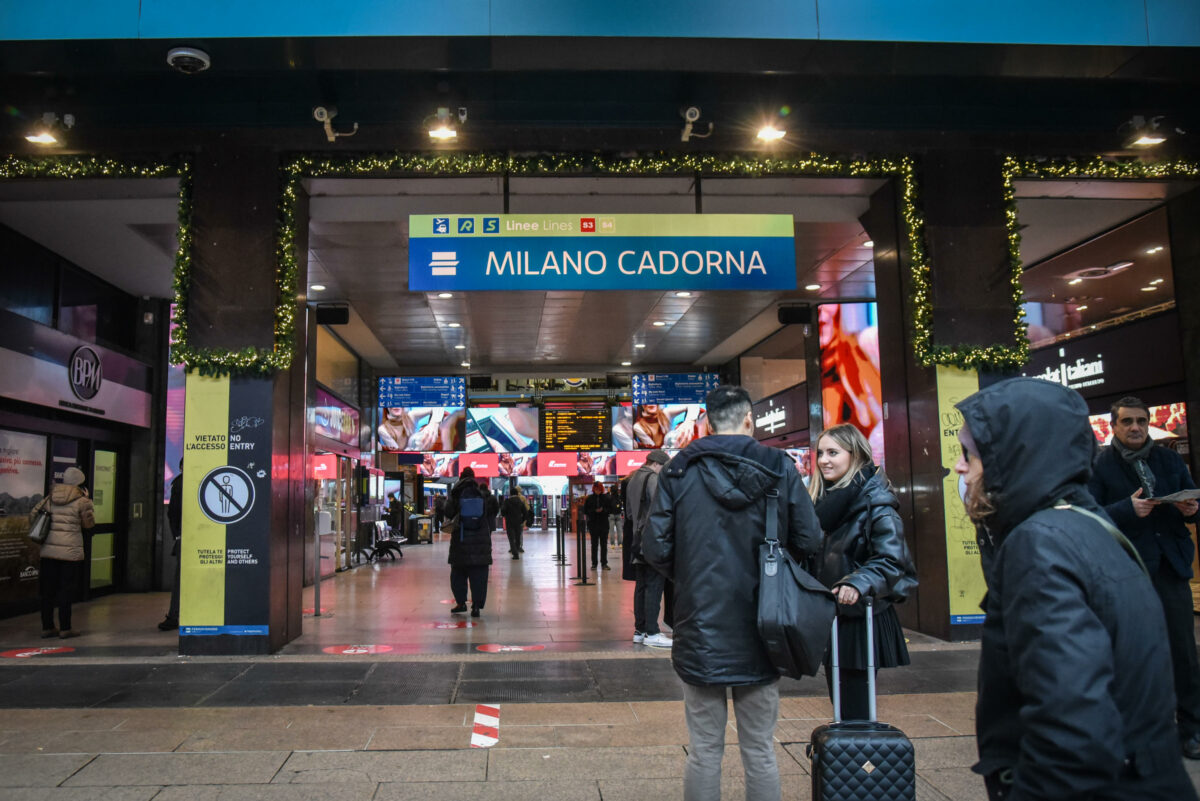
{"type": "Point", "coordinates": [1142, 132]}
{"type": "Point", "coordinates": [769, 133]}
{"type": "Point", "coordinates": [48, 130]}
{"type": "Point", "coordinates": [441, 125]}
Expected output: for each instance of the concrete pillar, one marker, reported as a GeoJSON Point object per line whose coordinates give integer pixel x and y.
{"type": "Point", "coordinates": [1183, 219]}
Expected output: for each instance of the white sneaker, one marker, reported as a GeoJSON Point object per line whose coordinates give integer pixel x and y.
{"type": "Point", "coordinates": [638, 637]}
{"type": "Point", "coordinates": [659, 640]}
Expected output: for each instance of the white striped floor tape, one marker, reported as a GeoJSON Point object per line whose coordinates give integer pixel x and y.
{"type": "Point", "coordinates": [487, 726]}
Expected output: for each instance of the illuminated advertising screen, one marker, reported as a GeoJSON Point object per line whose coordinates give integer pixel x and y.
{"type": "Point", "coordinates": [851, 390]}
{"type": "Point", "coordinates": [422, 428]}
{"type": "Point", "coordinates": [629, 461]}
{"type": "Point", "coordinates": [334, 419]}
{"type": "Point", "coordinates": [516, 464]}
{"type": "Point", "coordinates": [649, 426]}
{"type": "Point", "coordinates": [485, 465]}
{"type": "Point", "coordinates": [439, 465]}
{"type": "Point", "coordinates": [502, 430]}
{"type": "Point", "coordinates": [802, 458]}
{"type": "Point", "coordinates": [576, 429]}
{"type": "Point", "coordinates": [595, 463]}
{"type": "Point", "coordinates": [557, 464]}
{"type": "Point", "coordinates": [1167, 424]}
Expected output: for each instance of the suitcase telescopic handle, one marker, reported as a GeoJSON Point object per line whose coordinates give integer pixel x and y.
{"type": "Point", "coordinates": [837, 684]}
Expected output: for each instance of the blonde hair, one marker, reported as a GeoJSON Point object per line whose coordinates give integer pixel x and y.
{"type": "Point", "coordinates": [852, 441]}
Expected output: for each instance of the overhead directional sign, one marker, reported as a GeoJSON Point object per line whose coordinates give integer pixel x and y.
{"type": "Point", "coordinates": [672, 387]}
{"type": "Point", "coordinates": [600, 251]}
{"type": "Point", "coordinates": [407, 390]}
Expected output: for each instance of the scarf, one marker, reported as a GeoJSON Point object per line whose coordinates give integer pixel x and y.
{"type": "Point", "coordinates": [834, 506]}
{"type": "Point", "coordinates": [1137, 460]}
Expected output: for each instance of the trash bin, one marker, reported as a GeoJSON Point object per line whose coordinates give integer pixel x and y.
{"type": "Point", "coordinates": [420, 528]}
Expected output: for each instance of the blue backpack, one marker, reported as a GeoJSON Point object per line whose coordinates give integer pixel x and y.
{"type": "Point", "coordinates": [470, 508]}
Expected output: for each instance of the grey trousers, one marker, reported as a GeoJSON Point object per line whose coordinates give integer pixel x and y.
{"type": "Point", "coordinates": [757, 710]}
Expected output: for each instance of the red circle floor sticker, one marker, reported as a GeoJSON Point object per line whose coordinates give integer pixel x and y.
{"type": "Point", "coordinates": [453, 624]}
{"type": "Point", "coordinates": [25, 653]}
{"type": "Point", "coordinates": [352, 650]}
{"type": "Point", "coordinates": [494, 648]}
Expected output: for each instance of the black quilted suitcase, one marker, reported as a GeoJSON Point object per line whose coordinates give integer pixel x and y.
{"type": "Point", "coordinates": [862, 760]}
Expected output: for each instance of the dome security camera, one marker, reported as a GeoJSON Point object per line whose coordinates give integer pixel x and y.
{"type": "Point", "coordinates": [691, 113]}
{"type": "Point", "coordinates": [188, 60]}
{"type": "Point", "coordinates": [324, 114]}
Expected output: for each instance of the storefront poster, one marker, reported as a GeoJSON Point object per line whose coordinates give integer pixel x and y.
{"type": "Point", "coordinates": [22, 484]}
{"type": "Point", "coordinates": [851, 388]}
{"type": "Point", "coordinates": [226, 508]}
{"type": "Point", "coordinates": [964, 574]}
{"type": "Point", "coordinates": [104, 487]}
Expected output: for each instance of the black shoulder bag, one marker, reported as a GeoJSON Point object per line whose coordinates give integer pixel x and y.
{"type": "Point", "coordinates": [795, 611]}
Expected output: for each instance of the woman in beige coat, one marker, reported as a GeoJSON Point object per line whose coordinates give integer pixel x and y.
{"type": "Point", "coordinates": [62, 553]}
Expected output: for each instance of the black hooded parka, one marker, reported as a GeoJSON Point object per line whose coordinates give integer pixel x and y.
{"type": "Point", "coordinates": [704, 531]}
{"type": "Point", "coordinates": [1075, 687]}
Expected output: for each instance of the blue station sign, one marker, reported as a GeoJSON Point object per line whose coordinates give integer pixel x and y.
{"type": "Point", "coordinates": [672, 387]}
{"type": "Point", "coordinates": [406, 391]}
{"type": "Point", "coordinates": [576, 252]}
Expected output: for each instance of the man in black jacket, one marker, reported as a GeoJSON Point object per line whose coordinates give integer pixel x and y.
{"type": "Point", "coordinates": [1075, 697]}
{"type": "Point", "coordinates": [1126, 475]}
{"type": "Point", "coordinates": [470, 544]}
{"type": "Point", "coordinates": [706, 525]}
{"type": "Point", "coordinates": [596, 509]}
{"type": "Point", "coordinates": [641, 490]}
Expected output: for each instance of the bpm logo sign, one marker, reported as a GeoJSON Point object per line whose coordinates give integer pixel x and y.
{"type": "Point", "coordinates": [84, 373]}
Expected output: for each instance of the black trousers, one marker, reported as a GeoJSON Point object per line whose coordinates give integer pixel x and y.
{"type": "Point", "coordinates": [647, 598]}
{"type": "Point", "coordinates": [57, 581]}
{"type": "Point", "coordinates": [514, 535]}
{"type": "Point", "coordinates": [1176, 596]}
{"type": "Point", "coordinates": [474, 575]}
{"type": "Point", "coordinates": [598, 530]}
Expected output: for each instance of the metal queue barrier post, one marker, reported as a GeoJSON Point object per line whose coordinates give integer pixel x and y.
{"type": "Point", "coordinates": [581, 555]}
{"type": "Point", "coordinates": [560, 544]}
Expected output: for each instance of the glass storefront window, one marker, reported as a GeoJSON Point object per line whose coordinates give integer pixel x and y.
{"type": "Point", "coordinates": [29, 270]}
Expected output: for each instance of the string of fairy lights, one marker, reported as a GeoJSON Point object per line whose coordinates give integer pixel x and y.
{"type": "Point", "coordinates": [265, 361]}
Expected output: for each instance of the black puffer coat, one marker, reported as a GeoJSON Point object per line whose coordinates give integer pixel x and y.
{"type": "Point", "coordinates": [867, 550]}
{"type": "Point", "coordinates": [704, 531]}
{"type": "Point", "coordinates": [1075, 685]}
{"type": "Point", "coordinates": [468, 547]}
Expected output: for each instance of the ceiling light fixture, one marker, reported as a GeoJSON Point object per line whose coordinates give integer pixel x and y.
{"type": "Point", "coordinates": [870, 243]}
{"type": "Point", "coordinates": [445, 295]}
{"type": "Point", "coordinates": [1081, 308]}
{"type": "Point", "coordinates": [769, 133]}
{"type": "Point", "coordinates": [317, 287]}
{"type": "Point", "coordinates": [1157, 281]}
{"type": "Point", "coordinates": [460, 347]}
{"type": "Point", "coordinates": [49, 128]}
{"type": "Point", "coordinates": [1143, 131]}
{"type": "Point", "coordinates": [441, 125]}
{"type": "Point", "coordinates": [1075, 281]}
{"type": "Point", "coordinates": [683, 294]}
{"type": "Point", "coordinates": [1155, 249]}
{"type": "Point", "coordinates": [626, 364]}
{"type": "Point", "coordinates": [466, 364]}
{"type": "Point", "coordinates": [454, 325]}
{"type": "Point", "coordinates": [812, 287]}
{"type": "Point", "coordinates": [640, 345]}
{"type": "Point", "coordinates": [1149, 289]}
{"type": "Point", "coordinates": [658, 323]}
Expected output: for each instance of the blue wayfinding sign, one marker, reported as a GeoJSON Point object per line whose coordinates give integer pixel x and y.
{"type": "Point", "coordinates": [672, 387]}
{"type": "Point", "coordinates": [543, 252]}
{"type": "Point", "coordinates": [407, 391]}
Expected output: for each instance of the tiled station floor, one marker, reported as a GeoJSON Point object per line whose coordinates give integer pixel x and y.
{"type": "Point", "coordinates": [589, 716]}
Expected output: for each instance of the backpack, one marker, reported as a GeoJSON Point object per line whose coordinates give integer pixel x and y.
{"type": "Point", "coordinates": [470, 508]}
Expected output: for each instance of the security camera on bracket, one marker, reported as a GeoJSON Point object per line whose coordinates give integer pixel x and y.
{"type": "Point", "coordinates": [691, 115]}
{"type": "Point", "coordinates": [325, 115]}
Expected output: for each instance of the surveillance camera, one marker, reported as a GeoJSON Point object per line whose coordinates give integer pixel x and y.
{"type": "Point", "coordinates": [188, 60]}
{"type": "Point", "coordinates": [691, 113]}
{"type": "Point", "coordinates": [462, 114]}
{"type": "Point", "coordinates": [324, 114]}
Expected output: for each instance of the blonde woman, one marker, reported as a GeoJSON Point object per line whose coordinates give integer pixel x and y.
{"type": "Point", "coordinates": [863, 553]}
{"type": "Point", "coordinates": [61, 566]}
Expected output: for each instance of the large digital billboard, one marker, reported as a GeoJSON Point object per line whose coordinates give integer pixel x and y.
{"type": "Point", "coordinates": [422, 428]}
{"type": "Point", "coordinates": [651, 425]}
{"type": "Point", "coordinates": [576, 429]}
{"type": "Point", "coordinates": [502, 429]}
{"type": "Point", "coordinates": [851, 389]}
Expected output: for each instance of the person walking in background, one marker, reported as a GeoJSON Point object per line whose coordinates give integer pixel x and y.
{"type": "Point", "coordinates": [1126, 475]}
{"type": "Point", "coordinates": [514, 510]}
{"type": "Point", "coordinates": [1075, 694]}
{"type": "Point", "coordinates": [470, 543]}
{"type": "Point", "coordinates": [491, 505]}
{"type": "Point", "coordinates": [61, 567]}
{"type": "Point", "coordinates": [395, 515]}
{"type": "Point", "coordinates": [705, 529]}
{"type": "Point", "coordinates": [864, 553]}
{"type": "Point", "coordinates": [439, 511]}
{"type": "Point", "coordinates": [175, 524]}
{"type": "Point", "coordinates": [596, 509]}
{"type": "Point", "coordinates": [640, 492]}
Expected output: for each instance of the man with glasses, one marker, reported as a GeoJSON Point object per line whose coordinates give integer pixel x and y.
{"type": "Point", "coordinates": [1127, 478]}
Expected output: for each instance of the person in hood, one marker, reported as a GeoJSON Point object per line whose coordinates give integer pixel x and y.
{"type": "Point", "coordinates": [640, 492]}
{"type": "Point", "coordinates": [470, 545]}
{"type": "Point", "coordinates": [864, 553]}
{"type": "Point", "coordinates": [1075, 693]}
{"type": "Point", "coordinates": [705, 528]}
{"type": "Point", "coordinates": [1126, 475]}
{"type": "Point", "coordinates": [61, 566]}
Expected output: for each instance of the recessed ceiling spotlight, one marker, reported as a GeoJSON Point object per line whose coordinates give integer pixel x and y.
{"type": "Point", "coordinates": [640, 345]}
{"type": "Point", "coordinates": [1155, 249]}
{"type": "Point", "coordinates": [769, 133]}
{"type": "Point", "coordinates": [626, 364]}
{"type": "Point", "coordinates": [1075, 281]}
{"type": "Point", "coordinates": [870, 243]}
{"type": "Point", "coordinates": [1149, 288]}
{"type": "Point", "coordinates": [1081, 308]}
{"type": "Point", "coordinates": [454, 325]}
{"type": "Point", "coordinates": [659, 323]}
{"type": "Point", "coordinates": [812, 287]}
{"type": "Point", "coordinates": [317, 287]}
{"type": "Point", "coordinates": [445, 295]}
{"type": "Point", "coordinates": [460, 347]}
{"type": "Point", "coordinates": [1157, 281]}
{"type": "Point", "coordinates": [466, 364]}
{"type": "Point", "coordinates": [683, 294]}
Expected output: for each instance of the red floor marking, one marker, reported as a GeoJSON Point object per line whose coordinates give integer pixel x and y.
{"type": "Point", "coordinates": [493, 648]}
{"type": "Point", "coordinates": [454, 624]}
{"type": "Point", "coordinates": [350, 650]}
{"type": "Point", "coordinates": [486, 731]}
{"type": "Point", "coordinates": [25, 653]}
